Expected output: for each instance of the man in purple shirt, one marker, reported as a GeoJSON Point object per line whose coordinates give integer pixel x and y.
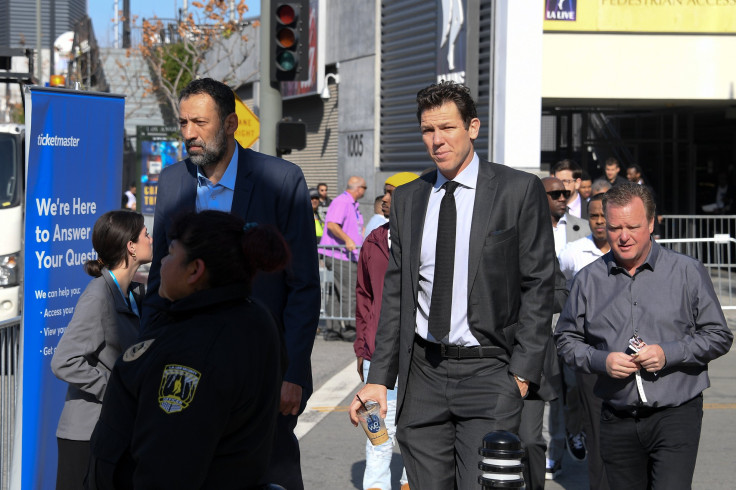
{"type": "Point", "coordinates": [344, 232]}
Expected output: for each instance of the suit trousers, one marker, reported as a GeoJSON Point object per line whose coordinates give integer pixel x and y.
{"type": "Point", "coordinates": [554, 427]}
{"type": "Point", "coordinates": [449, 406]}
{"type": "Point", "coordinates": [530, 433]}
{"type": "Point", "coordinates": [285, 466]}
{"type": "Point", "coordinates": [653, 449]}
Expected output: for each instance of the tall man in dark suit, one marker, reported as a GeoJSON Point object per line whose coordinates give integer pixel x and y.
{"type": "Point", "coordinates": [467, 298]}
{"type": "Point", "coordinates": [220, 174]}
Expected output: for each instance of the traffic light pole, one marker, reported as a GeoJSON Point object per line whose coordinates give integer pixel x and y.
{"type": "Point", "coordinates": [269, 105]}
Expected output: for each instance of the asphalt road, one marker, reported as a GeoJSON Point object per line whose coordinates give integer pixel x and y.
{"type": "Point", "coordinates": [333, 454]}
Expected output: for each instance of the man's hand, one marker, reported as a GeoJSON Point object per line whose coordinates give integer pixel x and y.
{"type": "Point", "coordinates": [523, 386]}
{"type": "Point", "coordinates": [374, 392]}
{"type": "Point", "coordinates": [349, 243]}
{"type": "Point", "coordinates": [337, 231]}
{"type": "Point", "coordinates": [620, 365]}
{"type": "Point", "coordinates": [360, 368]}
{"type": "Point", "coordinates": [291, 398]}
{"type": "Point", "coordinates": [651, 358]}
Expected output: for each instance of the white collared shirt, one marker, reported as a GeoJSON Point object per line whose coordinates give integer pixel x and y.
{"type": "Point", "coordinates": [577, 255]}
{"type": "Point", "coordinates": [574, 208]}
{"type": "Point", "coordinates": [460, 333]}
{"type": "Point", "coordinates": [560, 234]}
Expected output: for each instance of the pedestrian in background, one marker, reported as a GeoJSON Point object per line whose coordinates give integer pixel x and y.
{"type": "Point", "coordinates": [372, 265]}
{"type": "Point", "coordinates": [324, 200]}
{"type": "Point", "coordinates": [129, 200]}
{"type": "Point", "coordinates": [106, 321]}
{"type": "Point", "coordinates": [600, 186]}
{"type": "Point", "coordinates": [319, 225]}
{"type": "Point", "coordinates": [586, 187]}
{"type": "Point", "coordinates": [577, 255]}
{"type": "Point", "coordinates": [570, 174]}
{"type": "Point", "coordinates": [612, 169]}
{"type": "Point", "coordinates": [378, 217]}
{"type": "Point", "coordinates": [343, 236]}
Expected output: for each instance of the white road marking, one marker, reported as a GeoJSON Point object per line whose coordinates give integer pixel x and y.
{"type": "Point", "coordinates": [329, 394]}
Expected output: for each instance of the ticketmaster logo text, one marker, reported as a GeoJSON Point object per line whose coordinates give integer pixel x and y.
{"type": "Point", "coordinates": [48, 140]}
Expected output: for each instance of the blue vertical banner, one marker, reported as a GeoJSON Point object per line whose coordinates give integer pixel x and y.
{"type": "Point", "coordinates": [74, 159]}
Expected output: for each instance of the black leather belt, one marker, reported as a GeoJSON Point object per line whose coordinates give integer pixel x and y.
{"type": "Point", "coordinates": [458, 352]}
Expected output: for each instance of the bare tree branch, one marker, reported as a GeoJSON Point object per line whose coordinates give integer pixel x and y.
{"type": "Point", "coordinates": [206, 42]}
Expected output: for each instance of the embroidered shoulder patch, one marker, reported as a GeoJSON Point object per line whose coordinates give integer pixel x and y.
{"type": "Point", "coordinates": [135, 351]}
{"type": "Point", "coordinates": [178, 384]}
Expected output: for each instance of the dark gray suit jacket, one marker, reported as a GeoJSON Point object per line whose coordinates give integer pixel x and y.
{"type": "Point", "coordinates": [102, 328]}
{"type": "Point", "coordinates": [510, 280]}
{"type": "Point", "coordinates": [268, 190]}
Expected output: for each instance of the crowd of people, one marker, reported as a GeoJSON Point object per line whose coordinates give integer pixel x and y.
{"type": "Point", "coordinates": [481, 298]}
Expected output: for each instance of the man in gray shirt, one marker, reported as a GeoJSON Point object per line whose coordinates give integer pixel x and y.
{"type": "Point", "coordinates": [647, 321]}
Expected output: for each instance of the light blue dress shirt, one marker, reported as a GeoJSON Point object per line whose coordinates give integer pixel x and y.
{"type": "Point", "coordinates": [460, 333]}
{"type": "Point", "coordinates": [218, 197]}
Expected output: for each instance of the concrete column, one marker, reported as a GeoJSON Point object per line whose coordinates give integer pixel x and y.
{"type": "Point", "coordinates": [516, 104]}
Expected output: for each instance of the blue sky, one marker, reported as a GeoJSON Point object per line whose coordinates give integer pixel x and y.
{"type": "Point", "coordinates": [101, 13]}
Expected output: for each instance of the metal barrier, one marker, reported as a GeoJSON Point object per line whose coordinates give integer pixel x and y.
{"type": "Point", "coordinates": [9, 355]}
{"type": "Point", "coordinates": [337, 278]}
{"type": "Point", "coordinates": [716, 255]}
{"type": "Point", "coordinates": [697, 226]}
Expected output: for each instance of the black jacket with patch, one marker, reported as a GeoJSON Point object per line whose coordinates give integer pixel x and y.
{"type": "Point", "coordinates": [193, 404]}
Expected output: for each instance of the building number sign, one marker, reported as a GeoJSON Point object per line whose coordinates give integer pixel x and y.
{"type": "Point", "coordinates": [355, 145]}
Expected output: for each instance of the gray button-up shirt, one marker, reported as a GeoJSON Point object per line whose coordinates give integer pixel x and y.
{"type": "Point", "coordinates": [669, 301]}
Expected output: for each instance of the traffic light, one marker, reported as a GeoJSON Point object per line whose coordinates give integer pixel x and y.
{"type": "Point", "coordinates": [290, 41]}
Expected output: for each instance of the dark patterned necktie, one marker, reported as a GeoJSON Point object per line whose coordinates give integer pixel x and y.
{"type": "Point", "coordinates": [440, 309]}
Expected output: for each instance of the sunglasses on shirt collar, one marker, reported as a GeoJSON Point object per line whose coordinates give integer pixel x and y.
{"type": "Point", "coordinates": [556, 194]}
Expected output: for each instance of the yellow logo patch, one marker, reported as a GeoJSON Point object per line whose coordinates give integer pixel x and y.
{"type": "Point", "coordinates": [178, 385]}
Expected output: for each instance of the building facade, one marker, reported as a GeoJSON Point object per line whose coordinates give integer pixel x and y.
{"type": "Point", "coordinates": [18, 21]}
{"type": "Point", "coordinates": [650, 83]}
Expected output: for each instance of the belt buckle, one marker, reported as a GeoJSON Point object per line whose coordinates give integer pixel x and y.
{"type": "Point", "coordinates": [450, 351]}
{"type": "Point", "coordinates": [443, 350]}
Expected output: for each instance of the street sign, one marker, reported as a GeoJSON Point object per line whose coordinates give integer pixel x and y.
{"type": "Point", "coordinates": [249, 128]}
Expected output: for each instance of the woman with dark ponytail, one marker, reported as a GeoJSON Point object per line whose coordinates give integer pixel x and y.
{"type": "Point", "coordinates": [194, 403]}
{"type": "Point", "coordinates": [105, 323]}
